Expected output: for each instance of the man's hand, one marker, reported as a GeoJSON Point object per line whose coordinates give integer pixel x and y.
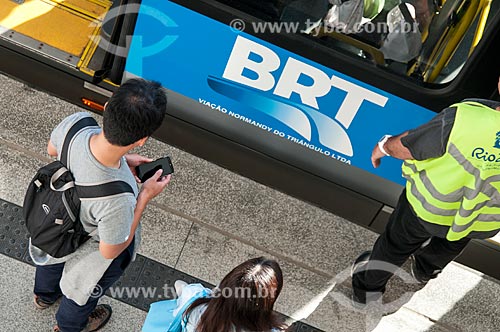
{"type": "Point", "coordinates": [134, 160]}
{"type": "Point", "coordinates": [154, 186]}
{"type": "Point", "coordinates": [376, 156]}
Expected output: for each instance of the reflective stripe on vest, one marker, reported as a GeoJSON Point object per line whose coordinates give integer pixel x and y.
{"type": "Point", "coordinates": [461, 188]}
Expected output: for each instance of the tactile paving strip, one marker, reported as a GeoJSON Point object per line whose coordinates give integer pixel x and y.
{"type": "Point", "coordinates": [160, 278]}
{"type": "Point", "coordinates": [155, 281]}
{"type": "Point", "coordinates": [13, 234]}
{"type": "Point", "coordinates": [129, 279]}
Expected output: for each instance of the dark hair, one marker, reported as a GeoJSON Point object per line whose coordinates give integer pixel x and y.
{"type": "Point", "coordinates": [134, 111]}
{"type": "Point", "coordinates": [244, 300]}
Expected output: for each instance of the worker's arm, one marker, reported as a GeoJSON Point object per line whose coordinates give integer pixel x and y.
{"type": "Point", "coordinates": [394, 147]}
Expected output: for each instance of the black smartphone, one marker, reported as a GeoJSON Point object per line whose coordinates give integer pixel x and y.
{"type": "Point", "coordinates": [145, 171]}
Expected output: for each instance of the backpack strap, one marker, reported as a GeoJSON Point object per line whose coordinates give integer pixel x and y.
{"type": "Point", "coordinates": [94, 191]}
{"type": "Point", "coordinates": [79, 125]}
{"type": "Point", "coordinates": [104, 189]}
{"type": "Point", "coordinates": [56, 177]}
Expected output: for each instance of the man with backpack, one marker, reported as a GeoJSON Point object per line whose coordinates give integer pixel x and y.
{"type": "Point", "coordinates": [95, 157]}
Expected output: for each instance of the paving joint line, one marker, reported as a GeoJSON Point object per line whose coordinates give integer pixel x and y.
{"type": "Point", "coordinates": [22, 149]}
{"type": "Point", "coordinates": [244, 241]}
{"type": "Point", "coordinates": [183, 245]}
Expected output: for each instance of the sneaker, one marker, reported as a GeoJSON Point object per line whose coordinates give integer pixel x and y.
{"type": "Point", "coordinates": [41, 304]}
{"type": "Point", "coordinates": [98, 318]}
{"type": "Point", "coordinates": [416, 273]}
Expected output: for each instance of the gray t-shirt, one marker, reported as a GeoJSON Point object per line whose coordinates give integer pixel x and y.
{"type": "Point", "coordinates": [430, 141]}
{"type": "Point", "coordinates": [113, 216]}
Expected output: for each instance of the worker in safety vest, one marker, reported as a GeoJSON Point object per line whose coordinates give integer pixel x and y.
{"type": "Point", "coordinates": [452, 195]}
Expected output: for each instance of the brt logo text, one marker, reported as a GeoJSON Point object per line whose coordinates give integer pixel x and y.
{"type": "Point", "coordinates": [252, 67]}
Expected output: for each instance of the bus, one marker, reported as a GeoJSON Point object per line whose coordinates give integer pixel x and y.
{"type": "Point", "coordinates": [291, 93]}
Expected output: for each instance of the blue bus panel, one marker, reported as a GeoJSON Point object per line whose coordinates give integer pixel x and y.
{"type": "Point", "coordinates": [268, 87]}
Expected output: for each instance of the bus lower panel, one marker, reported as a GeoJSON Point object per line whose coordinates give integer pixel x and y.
{"type": "Point", "coordinates": [269, 171]}
{"type": "Point", "coordinates": [482, 256]}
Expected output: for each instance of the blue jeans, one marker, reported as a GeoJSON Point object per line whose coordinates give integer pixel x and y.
{"type": "Point", "coordinates": [72, 317]}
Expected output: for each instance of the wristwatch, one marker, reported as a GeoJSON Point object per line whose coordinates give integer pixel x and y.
{"type": "Point", "coordinates": [382, 142]}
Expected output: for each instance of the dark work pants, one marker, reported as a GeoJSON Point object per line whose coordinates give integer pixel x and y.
{"type": "Point", "coordinates": [72, 317]}
{"type": "Point", "coordinates": [404, 235]}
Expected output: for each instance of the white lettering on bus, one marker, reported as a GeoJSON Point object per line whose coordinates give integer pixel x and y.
{"type": "Point", "coordinates": [288, 83]}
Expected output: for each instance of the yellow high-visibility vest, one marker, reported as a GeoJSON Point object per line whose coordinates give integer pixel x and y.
{"type": "Point", "coordinates": [461, 189]}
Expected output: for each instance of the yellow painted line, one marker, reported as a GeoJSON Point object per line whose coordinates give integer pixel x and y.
{"type": "Point", "coordinates": [77, 11]}
{"type": "Point", "coordinates": [88, 71]}
{"type": "Point", "coordinates": [96, 15]}
{"type": "Point", "coordinates": [94, 11]}
{"type": "Point", "coordinates": [90, 49]}
{"type": "Point", "coordinates": [103, 3]}
{"type": "Point", "coordinates": [111, 83]}
{"type": "Point", "coordinates": [91, 73]}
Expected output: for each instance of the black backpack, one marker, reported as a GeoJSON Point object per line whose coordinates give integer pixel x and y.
{"type": "Point", "coordinates": [52, 202]}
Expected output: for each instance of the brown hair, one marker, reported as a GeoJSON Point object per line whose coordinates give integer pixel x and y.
{"type": "Point", "coordinates": [244, 300]}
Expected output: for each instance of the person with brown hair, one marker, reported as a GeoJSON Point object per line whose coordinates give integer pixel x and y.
{"type": "Point", "coordinates": [243, 301]}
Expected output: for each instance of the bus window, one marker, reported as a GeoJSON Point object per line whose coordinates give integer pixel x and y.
{"type": "Point", "coordinates": [423, 39]}
{"type": "Point", "coordinates": [262, 9]}
{"type": "Point", "coordinates": [450, 37]}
